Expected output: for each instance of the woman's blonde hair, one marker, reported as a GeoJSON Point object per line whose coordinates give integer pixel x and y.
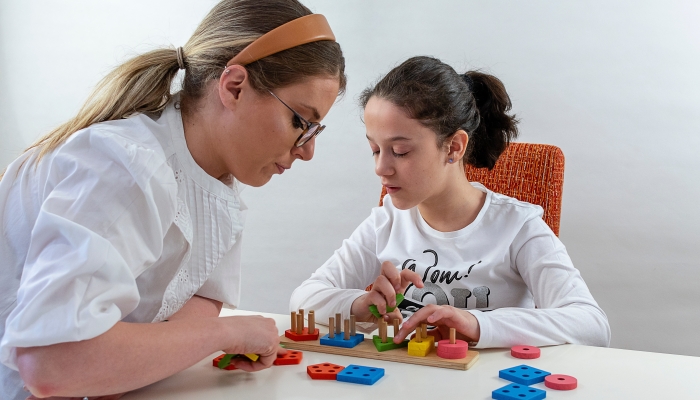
{"type": "Point", "coordinates": [142, 84]}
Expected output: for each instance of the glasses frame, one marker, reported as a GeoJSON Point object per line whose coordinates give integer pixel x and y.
{"type": "Point", "coordinates": [308, 126]}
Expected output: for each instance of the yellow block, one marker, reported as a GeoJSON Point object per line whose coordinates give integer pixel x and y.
{"type": "Point", "coordinates": [421, 349]}
{"type": "Point", "coordinates": [253, 357]}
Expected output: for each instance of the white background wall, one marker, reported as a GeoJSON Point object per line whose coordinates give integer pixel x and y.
{"type": "Point", "coordinates": [614, 84]}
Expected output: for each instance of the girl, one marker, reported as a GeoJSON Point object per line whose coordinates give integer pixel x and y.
{"type": "Point", "coordinates": [130, 212]}
{"type": "Point", "coordinates": [463, 256]}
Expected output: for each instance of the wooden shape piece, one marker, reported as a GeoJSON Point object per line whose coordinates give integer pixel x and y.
{"type": "Point", "coordinates": [388, 345]}
{"type": "Point", "coordinates": [304, 336]}
{"type": "Point", "coordinates": [421, 349]}
{"type": "Point", "coordinates": [523, 374]}
{"type": "Point", "coordinates": [360, 374]}
{"type": "Point", "coordinates": [455, 350]}
{"type": "Point", "coordinates": [525, 352]}
{"type": "Point", "coordinates": [338, 340]}
{"type": "Point", "coordinates": [292, 357]}
{"type": "Point", "coordinates": [560, 382]}
{"type": "Point", "coordinates": [517, 391]}
{"type": "Point", "coordinates": [226, 365]}
{"type": "Point", "coordinates": [326, 371]}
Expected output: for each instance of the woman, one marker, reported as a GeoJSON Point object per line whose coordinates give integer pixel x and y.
{"type": "Point", "coordinates": [463, 256]}
{"type": "Point", "coordinates": [130, 213]}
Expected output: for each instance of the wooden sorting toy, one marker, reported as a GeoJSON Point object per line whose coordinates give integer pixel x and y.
{"type": "Point", "coordinates": [326, 371]}
{"type": "Point", "coordinates": [422, 344]}
{"type": "Point", "coordinates": [525, 352]}
{"type": "Point", "coordinates": [298, 332]}
{"type": "Point", "coordinates": [348, 338]}
{"type": "Point", "coordinates": [560, 382]}
{"type": "Point", "coordinates": [452, 348]}
{"type": "Point", "coordinates": [292, 357]}
{"type": "Point", "coordinates": [384, 343]}
{"type": "Point", "coordinates": [223, 361]}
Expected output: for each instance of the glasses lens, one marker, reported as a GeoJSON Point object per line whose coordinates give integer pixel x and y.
{"type": "Point", "coordinates": [314, 129]}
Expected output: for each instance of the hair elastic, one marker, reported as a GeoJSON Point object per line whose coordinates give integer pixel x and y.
{"type": "Point", "coordinates": [180, 58]}
{"type": "Point", "coordinates": [306, 29]}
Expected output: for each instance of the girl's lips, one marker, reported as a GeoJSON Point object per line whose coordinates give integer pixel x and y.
{"type": "Point", "coordinates": [392, 189]}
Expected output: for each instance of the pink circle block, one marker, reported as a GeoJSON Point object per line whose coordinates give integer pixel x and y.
{"type": "Point", "coordinates": [525, 352]}
{"type": "Point", "coordinates": [560, 382]}
{"type": "Point", "coordinates": [452, 351]}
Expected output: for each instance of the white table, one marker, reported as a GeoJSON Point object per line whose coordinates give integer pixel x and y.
{"type": "Point", "coordinates": [602, 373]}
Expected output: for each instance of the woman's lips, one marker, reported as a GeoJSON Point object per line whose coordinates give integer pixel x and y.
{"type": "Point", "coordinates": [392, 189]}
{"type": "Point", "coordinates": [280, 168]}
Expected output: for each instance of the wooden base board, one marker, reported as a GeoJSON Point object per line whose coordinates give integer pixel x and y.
{"type": "Point", "coordinates": [366, 349]}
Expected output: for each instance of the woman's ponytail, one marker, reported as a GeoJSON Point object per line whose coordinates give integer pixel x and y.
{"type": "Point", "coordinates": [495, 127]}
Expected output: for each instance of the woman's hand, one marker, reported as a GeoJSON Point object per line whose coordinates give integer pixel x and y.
{"type": "Point", "coordinates": [383, 293]}
{"type": "Point", "coordinates": [253, 335]}
{"type": "Point", "coordinates": [444, 318]}
{"type": "Point", "coordinates": [110, 397]}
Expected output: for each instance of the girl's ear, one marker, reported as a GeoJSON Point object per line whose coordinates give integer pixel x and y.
{"type": "Point", "coordinates": [232, 82]}
{"type": "Point", "coordinates": [458, 146]}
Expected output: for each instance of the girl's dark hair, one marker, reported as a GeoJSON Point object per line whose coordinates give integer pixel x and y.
{"type": "Point", "coordinates": [433, 93]}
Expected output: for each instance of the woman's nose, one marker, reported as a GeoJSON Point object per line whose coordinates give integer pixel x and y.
{"type": "Point", "coordinates": [306, 151]}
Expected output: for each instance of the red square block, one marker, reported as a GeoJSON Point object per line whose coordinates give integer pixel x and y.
{"type": "Point", "coordinates": [292, 357]}
{"type": "Point", "coordinates": [324, 371]}
{"type": "Point", "coordinates": [305, 335]}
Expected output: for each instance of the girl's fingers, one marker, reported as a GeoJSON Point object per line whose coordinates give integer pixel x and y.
{"type": "Point", "coordinates": [406, 277]}
{"type": "Point", "coordinates": [385, 290]}
{"type": "Point", "coordinates": [391, 274]}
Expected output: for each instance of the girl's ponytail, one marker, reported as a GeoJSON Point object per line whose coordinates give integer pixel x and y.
{"type": "Point", "coordinates": [431, 92]}
{"type": "Point", "coordinates": [495, 127]}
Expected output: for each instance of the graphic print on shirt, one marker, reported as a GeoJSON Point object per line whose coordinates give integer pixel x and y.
{"type": "Point", "coordinates": [442, 287]}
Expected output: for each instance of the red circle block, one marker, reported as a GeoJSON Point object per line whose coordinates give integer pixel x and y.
{"type": "Point", "coordinates": [453, 351]}
{"type": "Point", "coordinates": [560, 382]}
{"type": "Point", "coordinates": [525, 352]}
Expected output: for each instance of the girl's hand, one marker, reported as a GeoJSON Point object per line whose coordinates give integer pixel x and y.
{"type": "Point", "coordinates": [444, 318]}
{"type": "Point", "coordinates": [252, 334]}
{"type": "Point", "coordinates": [383, 293]}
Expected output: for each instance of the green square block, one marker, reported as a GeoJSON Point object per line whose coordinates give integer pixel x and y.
{"type": "Point", "coordinates": [389, 345]}
{"type": "Point", "coordinates": [373, 308]}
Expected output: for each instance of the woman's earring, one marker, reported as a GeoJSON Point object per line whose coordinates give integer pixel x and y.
{"type": "Point", "coordinates": [450, 161]}
{"type": "Point", "coordinates": [227, 71]}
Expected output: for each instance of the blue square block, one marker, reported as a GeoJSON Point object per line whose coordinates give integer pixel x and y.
{"type": "Point", "coordinates": [338, 340]}
{"type": "Point", "coordinates": [523, 374]}
{"type": "Point", "coordinates": [520, 392]}
{"type": "Point", "coordinates": [359, 374]}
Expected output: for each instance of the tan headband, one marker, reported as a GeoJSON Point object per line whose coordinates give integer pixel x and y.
{"type": "Point", "coordinates": [307, 29]}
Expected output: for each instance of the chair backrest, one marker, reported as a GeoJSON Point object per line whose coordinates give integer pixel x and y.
{"type": "Point", "coordinates": [529, 172]}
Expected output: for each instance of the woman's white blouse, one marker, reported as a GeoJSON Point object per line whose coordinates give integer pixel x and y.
{"type": "Point", "coordinates": [117, 224]}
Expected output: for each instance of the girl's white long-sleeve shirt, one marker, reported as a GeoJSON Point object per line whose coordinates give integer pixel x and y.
{"type": "Point", "coordinates": [507, 268]}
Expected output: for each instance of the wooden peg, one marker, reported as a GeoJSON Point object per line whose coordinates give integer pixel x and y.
{"type": "Point", "coordinates": [331, 331]}
{"type": "Point", "coordinates": [300, 324]}
{"type": "Point", "coordinates": [352, 325]}
{"type": "Point", "coordinates": [396, 326]}
{"type": "Point", "coordinates": [294, 321]}
{"type": "Point", "coordinates": [346, 334]}
{"type": "Point", "coordinates": [382, 330]}
{"type": "Point", "coordinates": [301, 311]}
{"type": "Point", "coordinates": [338, 321]}
{"type": "Point", "coordinates": [312, 322]}
{"type": "Point", "coordinates": [453, 336]}
{"type": "Point", "coordinates": [424, 330]}
{"type": "Point", "coordinates": [419, 339]}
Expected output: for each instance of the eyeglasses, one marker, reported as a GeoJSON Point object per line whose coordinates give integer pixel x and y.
{"type": "Point", "coordinates": [310, 129]}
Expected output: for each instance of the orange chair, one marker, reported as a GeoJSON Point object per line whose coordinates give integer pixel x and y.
{"type": "Point", "coordinates": [529, 172]}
